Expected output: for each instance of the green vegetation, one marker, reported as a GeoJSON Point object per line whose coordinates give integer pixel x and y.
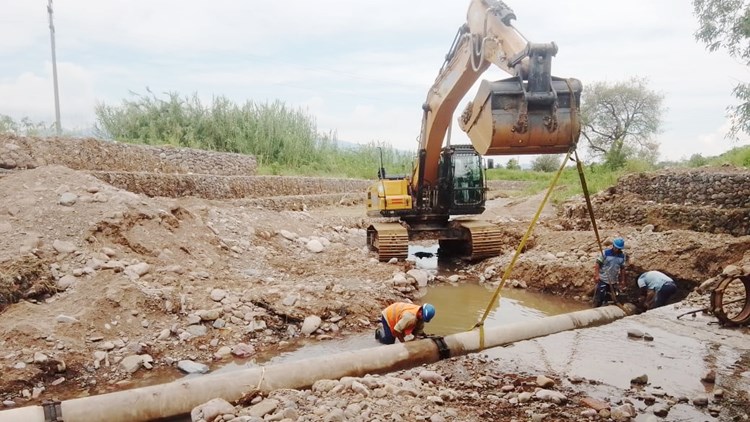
{"type": "Point", "coordinates": [25, 127]}
{"type": "Point", "coordinates": [598, 177]}
{"type": "Point", "coordinates": [739, 156]}
{"type": "Point", "coordinates": [284, 140]}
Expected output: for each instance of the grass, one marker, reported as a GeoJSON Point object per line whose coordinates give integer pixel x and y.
{"type": "Point", "coordinates": [597, 179]}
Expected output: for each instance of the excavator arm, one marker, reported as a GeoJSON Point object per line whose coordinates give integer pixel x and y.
{"type": "Point", "coordinates": [528, 118]}
{"type": "Point", "coordinates": [531, 112]}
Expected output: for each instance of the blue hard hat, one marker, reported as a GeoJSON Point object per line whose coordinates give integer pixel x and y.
{"type": "Point", "coordinates": [619, 243]}
{"type": "Point", "coordinates": [428, 311]}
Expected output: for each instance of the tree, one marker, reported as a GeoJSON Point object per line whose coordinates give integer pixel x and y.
{"type": "Point", "coordinates": [513, 164]}
{"type": "Point", "coordinates": [619, 120]}
{"type": "Point", "coordinates": [726, 24]}
{"type": "Point", "coordinates": [697, 160]}
{"type": "Point", "coordinates": [546, 163]}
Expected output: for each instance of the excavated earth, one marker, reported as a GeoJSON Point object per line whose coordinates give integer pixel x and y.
{"type": "Point", "coordinates": [110, 279]}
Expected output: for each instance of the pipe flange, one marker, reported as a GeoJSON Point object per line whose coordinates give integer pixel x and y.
{"type": "Point", "coordinates": [717, 303]}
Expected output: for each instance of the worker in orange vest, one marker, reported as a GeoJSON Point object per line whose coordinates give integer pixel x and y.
{"type": "Point", "coordinates": [402, 319]}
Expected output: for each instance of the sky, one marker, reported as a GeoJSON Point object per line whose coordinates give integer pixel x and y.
{"type": "Point", "coordinates": [361, 68]}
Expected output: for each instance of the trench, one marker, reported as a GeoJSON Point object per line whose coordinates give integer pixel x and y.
{"type": "Point", "coordinates": [674, 361]}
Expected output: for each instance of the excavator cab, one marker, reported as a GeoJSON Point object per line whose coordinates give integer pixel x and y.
{"type": "Point", "coordinates": [461, 181]}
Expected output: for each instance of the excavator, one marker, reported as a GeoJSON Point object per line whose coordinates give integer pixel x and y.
{"type": "Point", "coordinates": [532, 112]}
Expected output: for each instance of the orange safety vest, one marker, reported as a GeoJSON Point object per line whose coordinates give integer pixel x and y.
{"type": "Point", "coordinates": [394, 312]}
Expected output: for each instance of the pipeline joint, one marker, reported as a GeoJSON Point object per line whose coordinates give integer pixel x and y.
{"type": "Point", "coordinates": [443, 351]}
{"type": "Point", "coordinates": [52, 411]}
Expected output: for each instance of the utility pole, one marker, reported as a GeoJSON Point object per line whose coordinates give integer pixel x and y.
{"type": "Point", "coordinates": [58, 129]}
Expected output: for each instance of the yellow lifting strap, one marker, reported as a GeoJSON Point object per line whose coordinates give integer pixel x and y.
{"type": "Point", "coordinates": [593, 222]}
{"type": "Point", "coordinates": [521, 245]}
{"type": "Point", "coordinates": [588, 202]}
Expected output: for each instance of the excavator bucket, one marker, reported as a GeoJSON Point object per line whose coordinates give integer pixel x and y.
{"type": "Point", "coordinates": [506, 118]}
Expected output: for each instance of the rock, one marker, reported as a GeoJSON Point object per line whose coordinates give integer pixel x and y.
{"type": "Point", "coordinates": [65, 282]}
{"type": "Point", "coordinates": [353, 410]}
{"type": "Point", "coordinates": [623, 413]}
{"type": "Point", "coordinates": [290, 300]}
{"type": "Point", "coordinates": [288, 235]}
{"type": "Point", "coordinates": [538, 417]}
{"type": "Point", "coordinates": [700, 401]}
{"type": "Point", "coordinates": [648, 228]}
{"type": "Point", "coordinates": [197, 330]}
{"type": "Point", "coordinates": [311, 324]}
{"type": "Point", "coordinates": [430, 376]}
{"type": "Point", "coordinates": [67, 199]}
{"type": "Point", "coordinates": [131, 363]}
{"type": "Point", "coordinates": [63, 247]}
{"type": "Point", "coordinates": [454, 278]}
{"type": "Point", "coordinates": [648, 337]}
{"type": "Point", "coordinates": [660, 409]}
{"type": "Point", "coordinates": [190, 367]}
{"type": "Point", "coordinates": [314, 246]}
{"type": "Point", "coordinates": [360, 388]}
{"type": "Point", "coordinates": [718, 393]}
{"type": "Point", "coordinates": [393, 261]}
{"type": "Point", "coordinates": [107, 345]}
{"type": "Point", "coordinates": [222, 352]}
{"type": "Point", "coordinates": [209, 314]}
{"type": "Point", "coordinates": [40, 357]}
{"type": "Point", "coordinates": [633, 333]}
{"type": "Point", "coordinates": [265, 407]}
{"type": "Point", "coordinates": [137, 270]}
{"type": "Point", "coordinates": [595, 403]}
{"type": "Point", "coordinates": [544, 382]}
{"type": "Point", "coordinates": [242, 350]}
{"type": "Point", "coordinates": [524, 397]}
{"type": "Point", "coordinates": [65, 319]}
{"type": "Point", "coordinates": [732, 271]}
{"type": "Point", "coordinates": [436, 417]}
{"type": "Point", "coordinates": [551, 396]}
{"type": "Point", "coordinates": [419, 275]}
{"type": "Point", "coordinates": [211, 409]}
{"type": "Point", "coordinates": [335, 415]}
{"type": "Point", "coordinates": [640, 380]}
{"type": "Point", "coordinates": [709, 377]}
{"type": "Point", "coordinates": [109, 252]}
{"type": "Point", "coordinates": [589, 413]}
{"type": "Point", "coordinates": [218, 294]}
{"type": "Point", "coordinates": [324, 386]}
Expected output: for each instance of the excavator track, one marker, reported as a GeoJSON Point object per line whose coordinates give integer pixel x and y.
{"type": "Point", "coordinates": [390, 240]}
{"type": "Point", "coordinates": [485, 239]}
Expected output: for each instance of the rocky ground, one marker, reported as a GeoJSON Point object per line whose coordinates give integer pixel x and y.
{"type": "Point", "coordinates": [101, 286]}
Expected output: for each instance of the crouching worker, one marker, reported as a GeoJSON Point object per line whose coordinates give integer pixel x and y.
{"type": "Point", "coordinates": [402, 319]}
{"type": "Point", "coordinates": [656, 288]}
